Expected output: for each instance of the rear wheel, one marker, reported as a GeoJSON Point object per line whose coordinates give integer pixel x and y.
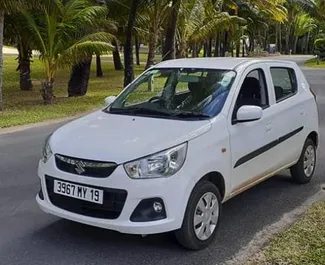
{"type": "Point", "coordinates": [202, 216]}
{"type": "Point", "coordinates": [303, 171]}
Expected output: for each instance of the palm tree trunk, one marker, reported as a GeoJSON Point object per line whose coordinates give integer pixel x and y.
{"type": "Point", "coordinates": [24, 67]}
{"type": "Point", "coordinates": [295, 45]}
{"type": "Point", "coordinates": [116, 57]}
{"type": "Point", "coordinates": [306, 46]}
{"type": "Point", "coordinates": [209, 53]}
{"type": "Point", "coordinates": [47, 92]}
{"type": "Point", "coordinates": [277, 37]}
{"type": "Point", "coordinates": [128, 46]}
{"type": "Point", "coordinates": [182, 50]}
{"type": "Point", "coordinates": [78, 83]}
{"type": "Point", "coordinates": [2, 15]}
{"type": "Point", "coordinates": [99, 70]}
{"type": "Point", "coordinates": [288, 39]}
{"type": "Point", "coordinates": [137, 49]}
{"type": "Point", "coordinates": [217, 46]}
{"type": "Point", "coordinates": [225, 44]}
{"type": "Point", "coordinates": [153, 41]}
{"type": "Point", "coordinates": [169, 48]}
{"type": "Point", "coordinates": [238, 49]}
{"type": "Point", "coordinates": [280, 38]}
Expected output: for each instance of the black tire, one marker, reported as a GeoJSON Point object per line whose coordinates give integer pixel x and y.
{"type": "Point", "coordinates": [297, 171]}
{"type": "Point", "coordinates": [186, 235]}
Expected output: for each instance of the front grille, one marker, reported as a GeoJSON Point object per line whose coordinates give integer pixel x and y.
{"type": "Point", "coordinates": [83, 167]}
{"type": "Point", "coordinates": [113, 202]}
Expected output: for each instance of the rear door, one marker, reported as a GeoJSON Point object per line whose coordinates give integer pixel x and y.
{"type": "Point", "coordinates": [289, 124]}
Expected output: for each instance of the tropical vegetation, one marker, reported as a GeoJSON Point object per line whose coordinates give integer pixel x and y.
{"type": "Point", "coordinates": [67, 34]}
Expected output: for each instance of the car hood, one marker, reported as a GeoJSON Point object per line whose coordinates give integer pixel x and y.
{"type": "Point", "coordinates": [120, 138]}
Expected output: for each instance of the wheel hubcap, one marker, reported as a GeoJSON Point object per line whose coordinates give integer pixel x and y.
{"type": "Point", "coordinates": [206, 216]}
{"type": "Point", "coordinates": [309, 161]}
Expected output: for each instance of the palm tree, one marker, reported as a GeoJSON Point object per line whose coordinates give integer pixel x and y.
{"type": "Point", "coordinates": [16, 35]}
{"type": "Point", "coordinates": [128, 46]}
{"type": "Point", "coordinates": [199, 20]}
{"type": "Point", "coordinates": [156, 13]}
{"type": "Point", "coordinates": [304, 25]}
{"type": "Point", "coordinates": [56, 36]}
{"type": "Point", "coordinates": [5, 6]}
{"type": "Point", "coordinates": [169, 47]}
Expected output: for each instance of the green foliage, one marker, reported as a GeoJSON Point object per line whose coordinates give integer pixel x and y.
{"type": "Point", "coordinates": [320, 48]}
{"type": "Point", "coordinates": [61, 37]}
{"type": "Point", "coordinates": [24, 107]}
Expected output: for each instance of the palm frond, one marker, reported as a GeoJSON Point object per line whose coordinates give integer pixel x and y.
{"type": "Point", "coordinates": [81, 51]}
{"type": "Point", "coordinates": [35, 31]}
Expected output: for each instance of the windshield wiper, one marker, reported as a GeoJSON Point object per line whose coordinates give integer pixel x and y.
{"type": "Point", "coordinates": [191, 115]}
{"type": "Point", "coordinates": [138, 110]}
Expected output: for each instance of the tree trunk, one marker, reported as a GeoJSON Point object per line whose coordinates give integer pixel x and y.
{"type": "Point", "coordinates": [194, 51]}
{"type": "Point", "coordinates": [137, 49]}
{"type": "Point", "coordinates": [306, 46]}
{"type": "Point", "coordinates": [217, 46]}
{"type": "Point", "coordinates": [238, 49]}
{"type": "Point", "coordinates": [225, 44]}
{"type": "Point", "coordinates": [153, 41]}
{"type": "Point", "coordinates": [24, 67]}
{"type": "Point", "coordinates": [2, 15]}
{"type": "Point", "coordinates": [182, 53]}
{"type": "Point", "coordinates": [169, 48]}
{"type": "Point", "coordinates": [128, 46]}
{"type": "Point", "coordinates": [209, 52]}
{"type": "Point", "coordinates": [288, 39]}
{"type": "Point", "coordinates": [205, 49]}
{"type": "Point", "coordinates": [78, 83]}
{"type": "Point", "coordinates": [99, 70]}
{"type": "Point", "coordinates": [47, 92]}
{"type": "Point", "coordinates": [295, 45]}
{"type": "Point", "coordinates": [116, 57]}
{"type": "Point", "coordinates": [280, 38]}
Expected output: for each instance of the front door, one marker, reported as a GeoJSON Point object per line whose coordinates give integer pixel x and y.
{"type": "Point", "coordinates": [252, 142]}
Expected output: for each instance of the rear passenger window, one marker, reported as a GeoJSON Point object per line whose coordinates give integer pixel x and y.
{"type": "Point", "coordinates": [285, 82]}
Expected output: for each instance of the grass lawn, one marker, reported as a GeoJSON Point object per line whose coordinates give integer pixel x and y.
{"type": "Point", "coordinates": [313, 63]}
{"type": "Point", "coordinates": [24, 107]}
{"type": "Point", "coordinates": [302, 244]}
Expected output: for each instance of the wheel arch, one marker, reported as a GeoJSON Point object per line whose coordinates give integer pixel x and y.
{"type": "Point", "coordinates": [314, 137]}
{"type": "Point", "coordinates": [218, 180]}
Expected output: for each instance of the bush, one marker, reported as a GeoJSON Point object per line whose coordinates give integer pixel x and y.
{"type": "Point", "coordinates": [320, 48]}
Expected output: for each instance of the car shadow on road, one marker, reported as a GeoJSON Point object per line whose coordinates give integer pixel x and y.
{"type": "Point", "coordinates": [66, 242]}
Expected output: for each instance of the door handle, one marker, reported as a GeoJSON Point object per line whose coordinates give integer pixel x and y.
{"type": "Point", "coordinates": [269, 127]}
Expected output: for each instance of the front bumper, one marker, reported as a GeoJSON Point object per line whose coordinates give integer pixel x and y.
{"type": "Point", "coordinates": [173, 191]}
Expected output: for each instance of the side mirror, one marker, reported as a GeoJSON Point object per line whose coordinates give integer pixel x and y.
{"type": "Point", "coordinates": [109, 100]}
{"type": "Point", "coordinates": [249, 113]}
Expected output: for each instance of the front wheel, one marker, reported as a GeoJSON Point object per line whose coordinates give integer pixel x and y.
{"type": "Point", "coordinates": [201, 218]}
{"type": "Point", "coordinates": [303, 171]}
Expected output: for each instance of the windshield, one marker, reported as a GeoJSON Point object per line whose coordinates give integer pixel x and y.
{"type": "Point", "coordinates": [178, 92]}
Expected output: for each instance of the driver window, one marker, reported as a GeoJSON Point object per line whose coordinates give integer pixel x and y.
{"type": "Point", "coordinates": [253, 91]}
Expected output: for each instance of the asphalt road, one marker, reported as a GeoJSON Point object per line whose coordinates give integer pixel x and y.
{"type": "Point", "coordinates": [29, 236]}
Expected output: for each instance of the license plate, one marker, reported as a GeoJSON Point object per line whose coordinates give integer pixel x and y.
{"type": "Point", "coordinates": [78, 191]}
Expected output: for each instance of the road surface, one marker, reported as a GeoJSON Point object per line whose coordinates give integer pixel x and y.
{"type": "Point", "coordinates": [29, 236]}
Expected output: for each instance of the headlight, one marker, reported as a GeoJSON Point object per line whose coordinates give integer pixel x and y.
{"type": "Point", "coordinates": [163, 164]}
{"type": "Point", "coordinates": [47, 152]}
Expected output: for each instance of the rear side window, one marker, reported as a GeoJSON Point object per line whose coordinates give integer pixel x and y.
{"type": "Point", "coordinates": [285, 82]}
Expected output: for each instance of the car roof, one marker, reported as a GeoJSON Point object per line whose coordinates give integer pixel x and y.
{"type": "Point", "coordinates": [226, 63]}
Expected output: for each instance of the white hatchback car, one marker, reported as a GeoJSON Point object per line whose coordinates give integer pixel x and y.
{"type": "Point", "coordinates": [184, 137]}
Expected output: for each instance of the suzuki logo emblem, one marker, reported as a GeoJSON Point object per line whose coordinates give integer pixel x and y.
{"type": "Point", "coordinates": [80, 167]}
